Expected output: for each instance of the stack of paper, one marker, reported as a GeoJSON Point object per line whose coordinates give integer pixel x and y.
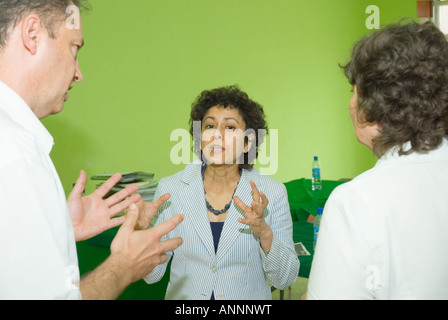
{"type": "Point", "coordinates": [147, 188]}
{"type": "Point", "coordinates": [145, 181]}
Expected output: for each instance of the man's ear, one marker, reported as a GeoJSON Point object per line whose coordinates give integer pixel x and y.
{"type": "Point", "coordinates": [32, 28]}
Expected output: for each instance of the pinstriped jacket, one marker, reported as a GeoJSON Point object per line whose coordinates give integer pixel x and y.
{"type": "Point", "coordinates": [239, 269]}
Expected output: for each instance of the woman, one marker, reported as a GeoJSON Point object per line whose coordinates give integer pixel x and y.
{"type": "Point", "coordinates": [235, 240]}
{"type": "Point", "coordinates": [384, 234]}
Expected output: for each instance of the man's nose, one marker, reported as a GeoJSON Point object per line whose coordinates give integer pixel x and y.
{"type": "Point", "coordinates": [78, 74]}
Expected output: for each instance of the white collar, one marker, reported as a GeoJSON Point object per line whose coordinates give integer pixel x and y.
{"type": "Point", "coordinates": [392, 156]}
{"type": "Point", "coordinates": [17, 109]}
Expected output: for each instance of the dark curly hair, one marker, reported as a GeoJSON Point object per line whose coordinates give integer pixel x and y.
{"type": "Point", "coordinates": [230, 97]}
{"type": "Point", "coordinates": [50, 11]}
{"type": "Point", "coordinates": [401, 75]}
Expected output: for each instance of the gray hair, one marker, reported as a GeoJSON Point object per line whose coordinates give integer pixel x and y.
{"type": "Point", "coordinates": [51, 12]}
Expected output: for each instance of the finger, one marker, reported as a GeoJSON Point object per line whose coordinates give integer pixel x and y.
{"type": "Point", "coordinates": [162, 199]}
{"type": "Point", "coordinates": [130, 221]}
{"type": "Point", "coordinates": [152, 208]}
{"type": "Point", "coordinates": [122, 194]}
{"type": "Point", "coordinates": [167, 226]}
{"type": "Point", "coordinates": [171, 244]}
{"type": "Point", "coordinates": [247, 222]}
{"type": "Point", "coordinates": [164, 257]}
{"type": "Point", "coordinates": [255, 192]}
{"type": "Point", "coordinates": [264, 200]}
{"type": "Point", "coordinates": [123, 205]}
{"type": "Point", "coordinates": [107, 186]}
{"type": "Point", "coordinates": [257, 208]}
{"type": "Point", "coordinates": [240, 204]}
{"type": "Point", "coordinates": [80, 185]}
{"type": "Point", "coordinates": [115, 222]}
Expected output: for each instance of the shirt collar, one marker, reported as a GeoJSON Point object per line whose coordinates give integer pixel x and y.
{"type": "Point", "coordinates": [392, 156]}
{"type": "Point", "coordinates": [16, 108]}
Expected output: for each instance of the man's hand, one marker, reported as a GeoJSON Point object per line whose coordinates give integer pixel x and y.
{"type": "Point", "coordinates": [92, 215]}
{"type": "Point", "coordinates": [140, 251]}
{"type": "Point", "coordinates": [134, 254]}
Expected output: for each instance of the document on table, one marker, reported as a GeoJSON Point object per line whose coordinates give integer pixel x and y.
{"type": "Point", "coordinates": [300, 249]}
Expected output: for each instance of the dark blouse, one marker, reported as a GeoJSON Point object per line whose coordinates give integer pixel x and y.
{"type": "Point", "coordinates": [216, 231]}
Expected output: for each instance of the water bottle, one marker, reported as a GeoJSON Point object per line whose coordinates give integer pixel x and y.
{"type": "Point", "coordinates": [316, 225]}
{"type": "Point", "coordinates": [316, 182]}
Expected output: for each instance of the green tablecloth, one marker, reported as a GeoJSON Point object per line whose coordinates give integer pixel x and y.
{"type": "Point", "coordinates": [303, 201]}
{"type": "Point", "coordinates": [303, 232]}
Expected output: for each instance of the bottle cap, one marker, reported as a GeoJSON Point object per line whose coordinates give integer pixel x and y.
{"type": "Point", "coordinates": [315, 158]}
{"type": "Point", "coordinates": [320, 210]}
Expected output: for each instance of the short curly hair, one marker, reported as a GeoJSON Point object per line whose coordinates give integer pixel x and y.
{"type": "Point", "coordinates": [230, 97]}
{"type": "Point", "coordinates": [401, 76]}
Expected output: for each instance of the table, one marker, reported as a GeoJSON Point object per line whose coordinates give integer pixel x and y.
{"type": "Point", "coordinates": [304, 202]}
{"type": "Point", "coordinates": [303, 232]}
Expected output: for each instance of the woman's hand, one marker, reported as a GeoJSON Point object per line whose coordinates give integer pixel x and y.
{"type": "Point", "coordinates": [255, 218]}
{"type": "Point", "coordinates": [148, 211]}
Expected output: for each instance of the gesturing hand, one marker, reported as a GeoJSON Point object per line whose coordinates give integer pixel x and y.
{"type": "Point", "coordinates": [141, 251]}
{"type": "Point", "coordinates": [255, 218]}
{"type": "Point", "coordinates": [148, 211]}
{"type": "Point", "coordinates": [134, 254]}
{"type": "Point", "coordinates": [92, 215]}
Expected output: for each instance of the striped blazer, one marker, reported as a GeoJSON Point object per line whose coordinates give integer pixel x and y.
{"type": "Point", "coordinates": [239, 269]}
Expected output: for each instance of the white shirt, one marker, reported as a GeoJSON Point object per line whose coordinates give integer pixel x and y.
{"type": "Point", "coordinates": [384, 235]}
{"type": "Point", "coordinates": [37, 243]}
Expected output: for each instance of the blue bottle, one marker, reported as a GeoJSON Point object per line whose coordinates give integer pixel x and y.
{"type": "Point", "coordinates": [316, 181]}
{"type": "Point", "coordinates": [316, 225]}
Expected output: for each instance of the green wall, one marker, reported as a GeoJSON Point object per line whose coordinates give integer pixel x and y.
{"type": "Point", "coordinates": [144, 63]}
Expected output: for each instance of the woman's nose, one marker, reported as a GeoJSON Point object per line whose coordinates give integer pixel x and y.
{"type": "Point", "coordinates": [217, 134]}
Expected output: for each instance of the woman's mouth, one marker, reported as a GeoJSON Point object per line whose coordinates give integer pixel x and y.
{"type": "Point", "coordinates": [217, 148]}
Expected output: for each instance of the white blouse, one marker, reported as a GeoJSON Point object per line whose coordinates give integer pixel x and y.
{"type": "Point", "coordinates": [384, 235]}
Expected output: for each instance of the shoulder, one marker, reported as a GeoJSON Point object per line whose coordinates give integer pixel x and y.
{"type": "Point", "coordinates": [15, 141]}
{"type": "Point", "coordinates": [8, 127]}
{"type": "Point", "coordinates": [266, 184]}
{"type": "Point", "coordinates": [363, 201]}
{"type": "Point", "coordinates": [361, 186]}
{"type": "Point", "coordinates": [189, 173]}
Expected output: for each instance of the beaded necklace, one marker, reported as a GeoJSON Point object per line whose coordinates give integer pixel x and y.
{"type": "Point", "coordinates": [207, 204]}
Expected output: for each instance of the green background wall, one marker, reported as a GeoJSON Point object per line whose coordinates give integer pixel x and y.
{"type": "Point", "coordinates": [145, 61]}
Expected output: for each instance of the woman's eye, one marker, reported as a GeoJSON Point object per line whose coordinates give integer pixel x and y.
{"type": "Point", "coordinates": [230, 128]}
{"type": "Point", "coordinates": [208, 126]}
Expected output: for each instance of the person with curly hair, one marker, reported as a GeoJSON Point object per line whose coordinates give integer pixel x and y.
{"type": "Point", "coordinates": [384, 234]}
{"type": "Point", "coordinates": [235, 239]}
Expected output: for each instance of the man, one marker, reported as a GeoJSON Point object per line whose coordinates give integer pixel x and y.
{"type": "Point", "coordinates": [38, 228]}
{"type": "Point", "coordinates": [384, 234]}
